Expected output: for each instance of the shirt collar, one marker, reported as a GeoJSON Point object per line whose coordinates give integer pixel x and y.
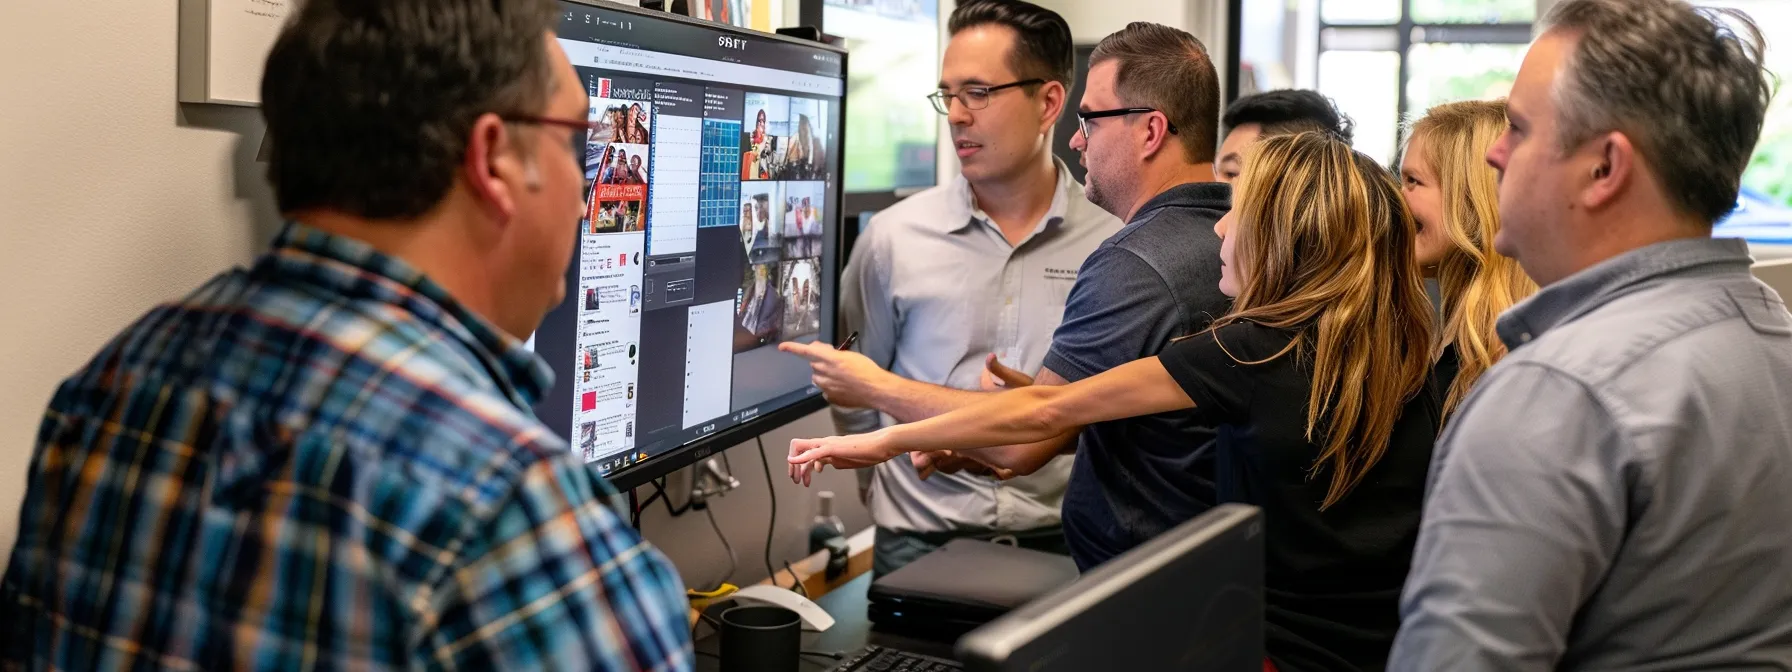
{"type": "Point", "coordinates": [1215, 195]}
{"type": "Point", "coordinates": [1582, 292]}
{"type": "Point", "coordinates": [351, 268]}
{"type": "Point", "coordinates": [966, 213]}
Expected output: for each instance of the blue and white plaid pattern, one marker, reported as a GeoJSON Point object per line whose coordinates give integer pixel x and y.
{"type": "Point", "coordinates": [323, 461]}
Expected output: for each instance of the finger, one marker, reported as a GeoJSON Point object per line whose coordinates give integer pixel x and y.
{"type": "Point", "coordinates": [990, 380]}
{"type": "Point", "coordinates": [800, 446]}
{"type": "Point", "coordinates": [1008, 376]}
{"type": "Point", "coordinates": [923, 464]}
{"type": "Point", "coordinates": [803, 350]}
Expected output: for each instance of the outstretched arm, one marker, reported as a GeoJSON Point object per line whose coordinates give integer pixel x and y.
{"type": "Point", "coordinates": [851, 380]}
{"type": "Point", "coordinates": [1032, 414]}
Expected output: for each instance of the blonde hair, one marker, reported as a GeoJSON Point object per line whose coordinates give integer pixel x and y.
{"type": "Point", "coordinates": [1326, 243]}
{"type": "Point", "coordinates": [1475, 283]}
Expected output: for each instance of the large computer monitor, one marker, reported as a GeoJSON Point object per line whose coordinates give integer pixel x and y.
{"type": "Point", "coordinates": [1191, 599]}
{"type": "Point", "coordinates": [709, 236]}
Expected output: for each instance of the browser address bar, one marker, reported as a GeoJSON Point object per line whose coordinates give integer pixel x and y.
{"type": "Point", "coordinates": [622, 59]}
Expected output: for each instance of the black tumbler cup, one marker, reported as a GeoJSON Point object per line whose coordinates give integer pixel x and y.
{"type": "Point", "coordinates": [761, 639]}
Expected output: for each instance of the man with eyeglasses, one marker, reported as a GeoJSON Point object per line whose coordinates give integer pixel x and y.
{"type": "Point", "coordinates": [329, 458]}
{"type": "Point", "coordinates": [1147, 128]}
{"type": "Point", "coordinates": [980, 265]}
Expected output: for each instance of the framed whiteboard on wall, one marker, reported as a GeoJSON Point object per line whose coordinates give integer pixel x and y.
{"type": "Point", "coordinates": [223, 46]}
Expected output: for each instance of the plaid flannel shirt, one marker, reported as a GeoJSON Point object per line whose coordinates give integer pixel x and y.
{"type": "Point", "coordinates": [323, 461]}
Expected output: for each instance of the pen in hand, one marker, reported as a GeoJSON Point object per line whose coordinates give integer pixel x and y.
{"type": "Point", "coordinates": [848, 343]}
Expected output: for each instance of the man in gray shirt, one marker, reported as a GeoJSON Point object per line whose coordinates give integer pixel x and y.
{"type": "Point", "coordinates": [1616, 493]}
{"type": "Point", "coordinates": [981, 264]}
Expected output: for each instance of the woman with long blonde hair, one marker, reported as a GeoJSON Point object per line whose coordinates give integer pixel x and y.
{"type": "Point", "coordinates": [1317, 381]}
{"type": "Point", "coordinates": [1454, 197]}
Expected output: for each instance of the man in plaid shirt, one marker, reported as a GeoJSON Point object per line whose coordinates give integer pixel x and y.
{"type": "Point", "coordinates": [328, 459]}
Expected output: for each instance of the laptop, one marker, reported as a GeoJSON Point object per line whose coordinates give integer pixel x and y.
{"type": "Point", "coordinates": [963, 585]}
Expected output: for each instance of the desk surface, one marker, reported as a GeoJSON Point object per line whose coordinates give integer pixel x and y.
{"type": "Point", "coordinates": [851, 631]}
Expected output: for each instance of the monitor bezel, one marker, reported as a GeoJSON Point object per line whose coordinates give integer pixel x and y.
{"type": "Point", "coordinates": [683, 456]}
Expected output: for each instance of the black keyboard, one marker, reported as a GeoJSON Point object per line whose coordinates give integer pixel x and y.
{"type": "Point", "coordinates": [880, 659]}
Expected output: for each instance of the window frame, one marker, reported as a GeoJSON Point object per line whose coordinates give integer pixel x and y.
{"type": "Point", "coordinates": [1408, 33]}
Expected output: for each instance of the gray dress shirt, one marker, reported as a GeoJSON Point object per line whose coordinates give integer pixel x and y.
{"type": "Point", "coordinates": [1616, 494]}
{"type": "Point", "coordinates": [932, 287]}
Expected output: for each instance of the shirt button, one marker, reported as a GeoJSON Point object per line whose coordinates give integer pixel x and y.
{"type": "Point", "coordinates": [1524, 337]}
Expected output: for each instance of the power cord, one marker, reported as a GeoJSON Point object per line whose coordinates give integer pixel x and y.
{"type": "Point", "coordinates": [796, 581]}
{"type": "Point", "coordinates": [771, 491]}
{"type": "Point", "coordinates": [659, 487]}
{"type": "Point", "coordinates": [733, 560]}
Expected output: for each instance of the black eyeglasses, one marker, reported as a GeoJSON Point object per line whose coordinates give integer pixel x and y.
{"type": "Point", "coordinates": [1082, 118]}
{"type": "Point", "coordinates": [973, 97]}
{"type": "Point", "coordinates": [587, 126]}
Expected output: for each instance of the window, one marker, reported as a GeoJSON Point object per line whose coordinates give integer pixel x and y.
{"type": "Point", "coordinates": [1445, 72]}
{"type": "Point", "coordinates": [1386, 60]}
{"type": "Point", "coordinates": [1474, 11]}
{"type": "Point", "coordinates": [1770, 171]}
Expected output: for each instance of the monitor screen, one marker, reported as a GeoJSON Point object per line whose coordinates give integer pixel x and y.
{"type": "Point", "coordinates": [895, 54]}
{"type": "Point", "coordinates": [709, 231]}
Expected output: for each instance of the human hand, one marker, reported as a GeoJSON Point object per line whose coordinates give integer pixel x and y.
{"type": "Point", "coordinates": [807, 456]}
{"type": "Point", "coordinates": [996, 376]}
{"type": "Point", "coordinates": [846, 378]}
{"type": "Point", "coordinates": [949, 462]}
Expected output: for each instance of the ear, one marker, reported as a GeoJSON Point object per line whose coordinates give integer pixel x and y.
{"type": "Point", "coordinates": [493, 168]}
{"type": "Point", "coordinates": [1157, 134]}
{"type": "Point", "coordinates": [1055, 98]}
{"type": "Point", "coordinates": [1612, 171]}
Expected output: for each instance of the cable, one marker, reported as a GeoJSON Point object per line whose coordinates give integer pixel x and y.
{"type": "Point", "coordinates": [733, 561]}
{"type": "Point", "coordinates": [796, 580]}
{"type": "Point", "coordinates": [771, 492]}
{"type": "Point", "coordinates": [824, 654]}
{"type": "Point", "coordinates": [704, 618]}
{"type": "Point", "coordinates": [660, 493]}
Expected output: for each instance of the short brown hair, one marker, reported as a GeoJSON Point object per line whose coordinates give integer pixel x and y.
{"type": "Point", "coordinates": [1168, 70]}
{"type": "Point", "coordinates": [1684, 85]}
{"type": "Point", "coordinates": [1042, 47]}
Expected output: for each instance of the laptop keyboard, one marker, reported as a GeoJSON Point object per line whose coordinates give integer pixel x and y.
{"type": "Point", "coordinates": [880, 659]}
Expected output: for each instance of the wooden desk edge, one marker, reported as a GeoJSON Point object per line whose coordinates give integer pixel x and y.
{"type": "Point", "coordinates": [812, 570]}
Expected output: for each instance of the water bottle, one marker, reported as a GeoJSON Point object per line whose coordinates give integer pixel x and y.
{"type": "Point", "coordinates": [826, 526]}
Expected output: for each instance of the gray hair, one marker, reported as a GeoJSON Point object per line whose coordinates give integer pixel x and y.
{"type": "Point", "coordinates": [1685, 84]}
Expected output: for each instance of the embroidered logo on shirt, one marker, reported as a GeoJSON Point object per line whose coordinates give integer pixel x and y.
{"type": "Point", "coordinates": [1060, 273]}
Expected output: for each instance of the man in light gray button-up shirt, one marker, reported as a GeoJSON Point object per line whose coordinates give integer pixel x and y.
{"type": "Point", "coordinates": [981, 265]}
{"type": "Point", "coordinates": [1616, 494]}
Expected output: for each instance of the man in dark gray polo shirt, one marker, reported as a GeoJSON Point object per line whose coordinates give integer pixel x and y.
{"type": "Point", "coordinates": [1148, 126]}
{"type": "Point", "coordinates": [1616, 493]}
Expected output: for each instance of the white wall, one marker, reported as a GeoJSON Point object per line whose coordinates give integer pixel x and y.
{"type": "Point", "coordinates": [1091, 20]}
{"type": "Point", "coordinates": [112, 197]}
